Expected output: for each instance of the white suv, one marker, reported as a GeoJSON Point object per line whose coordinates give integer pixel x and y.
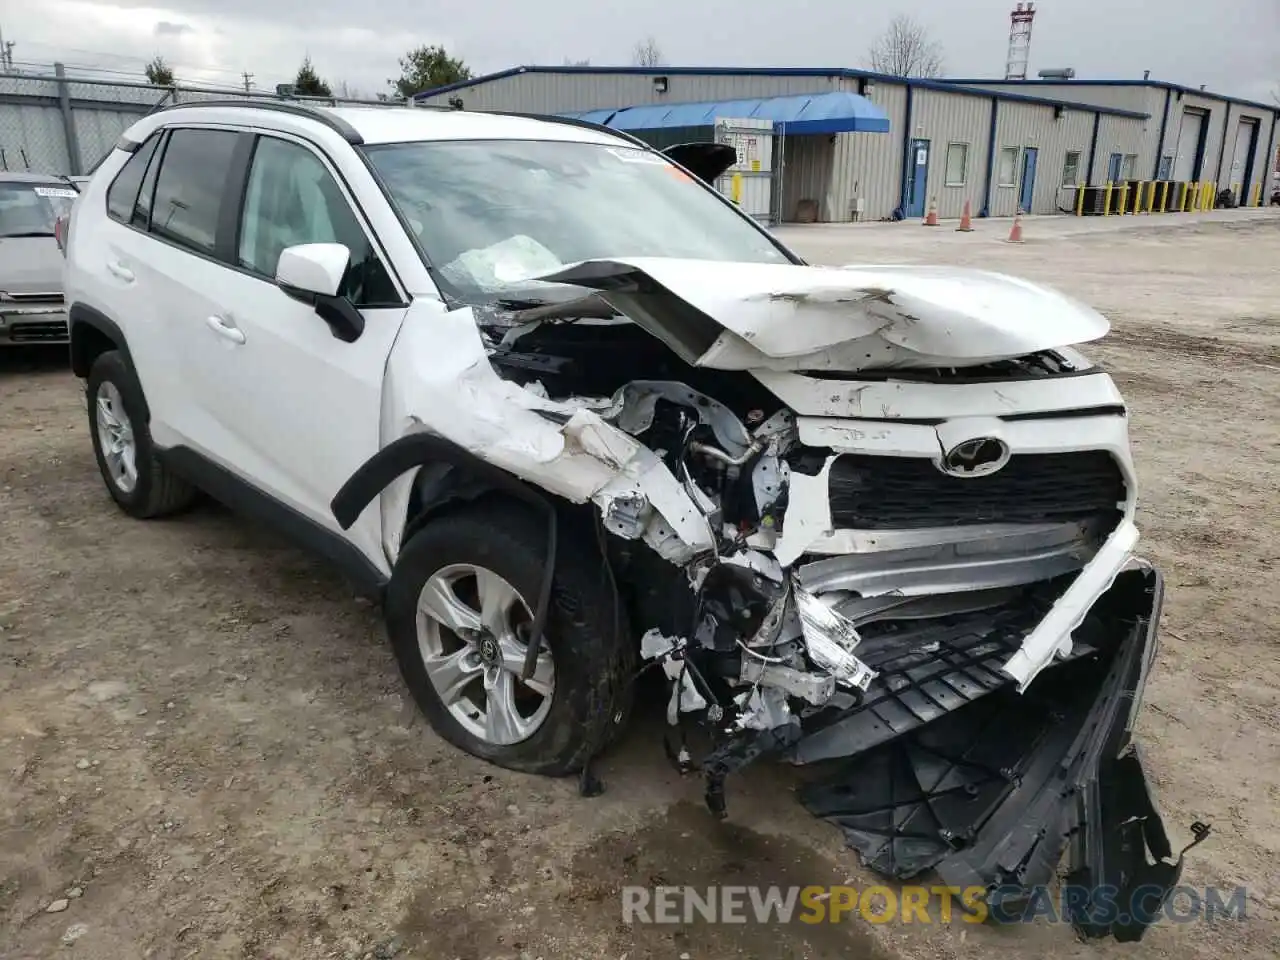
{"type": "Point", "coordinates": [566, 410]}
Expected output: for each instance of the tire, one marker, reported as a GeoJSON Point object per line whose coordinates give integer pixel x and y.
{"type": "Point", "coordinates": [152, 490]}
{"type": "Point", "coordinates": [591, 652]}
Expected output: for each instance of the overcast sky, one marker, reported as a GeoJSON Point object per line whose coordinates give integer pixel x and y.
{"type": "Point", "coordinates": [1231, 46]}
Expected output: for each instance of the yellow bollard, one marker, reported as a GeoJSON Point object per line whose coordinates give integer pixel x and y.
{"type": "Point", "coordinates": [1106, 203]}
{"type": "Point", "coordinates": [1151, 196]}
{"type": "Point", "coordinates": [1079, 199]}
{"type": "Point", "coordinates": [1237, 194]}
{"type": "Point", "coordinates": [1197, 193]}
{"type": "Point", "coordinates": [1137, 198]}
{"type": "Point", "coordinates": [1256, 199]}
{"type": "Point", "coordinates": [1124, 198]}
{"type": "Point", "coordinates": [1164, 196]}
{"type": "Point", "coordinates": [735, 188]}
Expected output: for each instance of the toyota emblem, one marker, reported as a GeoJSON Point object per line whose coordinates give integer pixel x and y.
{"type": "Point", "coordinates": [979, 457]}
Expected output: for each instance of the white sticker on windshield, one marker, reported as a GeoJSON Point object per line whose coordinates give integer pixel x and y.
{"type": "Point", "coordinates": [56, 192]}
{"type": "Point", "coordinates": [637, 156]}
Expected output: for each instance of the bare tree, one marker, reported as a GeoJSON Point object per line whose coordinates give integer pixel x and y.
{"type": "Point", "coordinates": [647, 53]}
{"type": "Point", "coordinates": [906, 50]}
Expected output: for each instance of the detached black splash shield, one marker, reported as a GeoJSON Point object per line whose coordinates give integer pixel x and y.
{"type": "Point", "coordinates": [993, 794]}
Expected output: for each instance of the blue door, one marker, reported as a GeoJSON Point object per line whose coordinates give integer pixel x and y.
{"type": "Point", "coordinates": [1028, 190]}
{"type": "Point", "coordinates": [1113, 168]}
{"type": "Point", "coordinates": [918, 178]}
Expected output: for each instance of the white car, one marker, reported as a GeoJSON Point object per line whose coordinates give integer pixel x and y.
{"type": "Point", "coordinates": [569, 413]}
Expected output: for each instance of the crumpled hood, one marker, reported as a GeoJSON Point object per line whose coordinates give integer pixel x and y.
{"type": "Point", "coordinates": [793, 317]}
{"type": "Point", "coordinates": [30, 265]}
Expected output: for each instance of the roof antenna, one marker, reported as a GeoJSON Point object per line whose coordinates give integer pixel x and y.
{"type": "Point", "coordinates": [1146, 74]}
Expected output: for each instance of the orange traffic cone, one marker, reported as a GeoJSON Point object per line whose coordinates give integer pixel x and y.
{"type": "Point", "coordinates": [1015, 234]}
{"type": "Point", "coordinates": [931, 219]}
{"type": "Point", "coordinates": [966, 222]}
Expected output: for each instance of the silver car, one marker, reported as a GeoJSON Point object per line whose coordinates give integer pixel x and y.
{"type": "Point", "coordinates": [31, 303]}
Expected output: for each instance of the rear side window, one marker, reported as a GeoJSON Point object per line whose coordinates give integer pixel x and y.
{"type": "Point", "coordinates": [189, 187]}
{"type": "Point", "coordinates": [122, 195]}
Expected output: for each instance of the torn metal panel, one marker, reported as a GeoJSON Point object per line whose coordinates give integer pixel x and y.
{"type": "Point", "coordinates": [786, 316]}
{"type": "Point", "coordinates": [562, 447]}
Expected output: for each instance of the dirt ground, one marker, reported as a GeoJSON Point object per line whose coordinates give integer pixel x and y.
{"type": "Point", "coordinates": [205, 750]}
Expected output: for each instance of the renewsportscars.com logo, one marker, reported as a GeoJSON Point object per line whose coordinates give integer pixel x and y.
{"type": "Point", "coordinates": [933, 904]}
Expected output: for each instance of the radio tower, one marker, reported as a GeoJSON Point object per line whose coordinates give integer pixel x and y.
{"type": "Point", "coordinates": [1015, 67]}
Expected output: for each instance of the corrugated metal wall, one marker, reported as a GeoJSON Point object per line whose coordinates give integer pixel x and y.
{"type": "Point", "coordinates": [565, 92]}
{"type": "Point", "coordinates": [872, 168]}
{"type": "Point", "coordinates": [807, 174]}
{"type": "Point", "coordinates": [1118, 135]}
{"type": "Point", "coordinates": [1023, 125]}
{"type": "Point", "coordinates": [944, 118]}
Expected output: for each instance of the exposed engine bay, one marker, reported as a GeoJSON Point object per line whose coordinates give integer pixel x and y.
{"type": "Point", "coordinates": [876, 522]}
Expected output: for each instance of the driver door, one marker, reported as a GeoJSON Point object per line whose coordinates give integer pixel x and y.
{"type": "Point", "coordinates": [302, 407]}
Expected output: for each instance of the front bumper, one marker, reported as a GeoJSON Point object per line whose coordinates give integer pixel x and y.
{"type": "Point", "coordinates": [25, 326]}
{"type": "Point", "coordinates": [992, 794]}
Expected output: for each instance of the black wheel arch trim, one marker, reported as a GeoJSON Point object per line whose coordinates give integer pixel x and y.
{"type": "Point", "coordinates": [83, 315]}
{"type": "Point", "coordinates": [419, 449]}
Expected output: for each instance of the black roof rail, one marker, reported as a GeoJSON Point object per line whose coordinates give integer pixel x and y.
{"type": "Point", "coordinates": [573, 122]}
{"type": "Point", "coordinates": [293, 108]}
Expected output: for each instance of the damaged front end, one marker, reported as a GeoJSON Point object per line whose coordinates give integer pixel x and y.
{"type": "Point", "coordinates": [877, 522]}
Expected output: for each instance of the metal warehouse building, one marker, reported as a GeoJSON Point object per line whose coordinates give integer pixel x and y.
{"type": "Point", "coordinates": [851, 144]}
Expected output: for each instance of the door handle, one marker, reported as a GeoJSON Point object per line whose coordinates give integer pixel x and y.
{"type": "Point", "coordinates": [225, 328]}
{"type": "Point", "coordinates": [120, 270]}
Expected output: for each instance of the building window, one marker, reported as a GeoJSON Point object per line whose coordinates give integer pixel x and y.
{"type": "Point", "coordinates": [957, 164]}
{"type": "Point", "coordinates": [1071, 168]}
{"type": "Point", "coordinates": [1166, 167]}
{"type": "Point", "coordinates": [1128, 165]}
{"type": "Point", "coordinates": [1008, 169]}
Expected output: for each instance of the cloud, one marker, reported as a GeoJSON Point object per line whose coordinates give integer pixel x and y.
{"type": "Point", "coordinates": [1189, 42]}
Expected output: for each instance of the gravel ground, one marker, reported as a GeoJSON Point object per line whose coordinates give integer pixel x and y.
{"type": "Point", "coordinates": [205, 750]}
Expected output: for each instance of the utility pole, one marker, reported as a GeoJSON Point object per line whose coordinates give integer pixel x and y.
{"type": "Point", "coordinates": [248, 80]}
{"type": "Point", "coordinates": [6, 53]}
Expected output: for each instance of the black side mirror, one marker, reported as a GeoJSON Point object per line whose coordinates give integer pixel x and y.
{"type": "Point", "coordinates": [345, 322]}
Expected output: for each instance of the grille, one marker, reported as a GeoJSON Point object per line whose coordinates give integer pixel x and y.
{"type": "Point", "coordinates": [43, 331]}
{"type": "Point", "coordinates": [904, 493]}
{"type": "Point", "coordinates": [31, 298]}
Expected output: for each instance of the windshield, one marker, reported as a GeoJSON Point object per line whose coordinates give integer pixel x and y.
{"type": "Point", "coordinates": [30, 209]}
{"type": "Point", "coordinates": [490, 214]}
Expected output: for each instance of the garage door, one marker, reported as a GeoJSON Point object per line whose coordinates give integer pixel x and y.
{"type": "Point", "coordinates": [1189, 135]}
{"type": "Point", "coordinates": [1242, 158]}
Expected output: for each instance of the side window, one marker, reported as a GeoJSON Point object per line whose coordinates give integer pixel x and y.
{"type": "Point", "coordinates": [123, 192]}
{"type": "Point", "coordinates": [291, 199]}
{"type": "Point", "coordinates": [189, 187]}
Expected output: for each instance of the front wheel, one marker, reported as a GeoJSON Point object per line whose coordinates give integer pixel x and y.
{"type": "Point", "coordinates": [459, 607]}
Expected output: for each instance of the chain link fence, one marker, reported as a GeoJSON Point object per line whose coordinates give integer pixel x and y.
{"type": "Point", "coordinates": [66, 125]}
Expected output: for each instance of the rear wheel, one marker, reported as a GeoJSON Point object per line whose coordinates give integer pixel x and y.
{"type": "Point", "coordinates": [139, 483]}
{"type": "Point", "coordinates": [459, 608]}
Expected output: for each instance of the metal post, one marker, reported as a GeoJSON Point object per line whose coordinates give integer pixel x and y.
{"type": "Point", "coordinates": [68, 121]}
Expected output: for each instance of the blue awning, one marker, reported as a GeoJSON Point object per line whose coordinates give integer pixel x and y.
{"type": "Point", "coordinates": [833, 112]}
{"type": "Point", "coordinates": [592, 116]}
